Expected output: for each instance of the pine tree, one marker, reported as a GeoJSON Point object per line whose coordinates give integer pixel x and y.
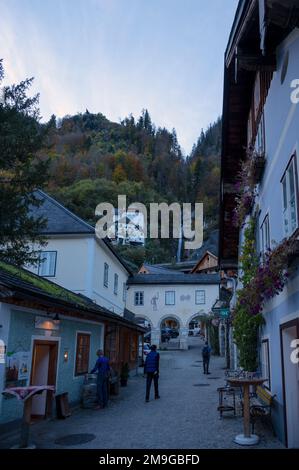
{"type": "Point", "coordinates": [21, 172]}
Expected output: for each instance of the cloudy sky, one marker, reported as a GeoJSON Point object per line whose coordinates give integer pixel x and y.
{"type": "Point", "coordinates": [119, 56]}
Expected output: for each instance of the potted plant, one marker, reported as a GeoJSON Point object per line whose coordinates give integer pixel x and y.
{"type": "Point", "coordinates": [124, 375]}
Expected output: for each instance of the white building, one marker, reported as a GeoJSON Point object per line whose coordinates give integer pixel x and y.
{"type": "Point", "coordinates": [128, 228]}
{"type": "Point", "coordinates": [261, 68]}
{"type": "Point", "coordinates": [173, 299]}
{"type": "Point", "coordinates": [77, 260]}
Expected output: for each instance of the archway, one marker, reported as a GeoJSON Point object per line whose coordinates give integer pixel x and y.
{"type": "Point", "coordinates": [196, 324]}
{"type": "Point", "coordinates": [170, 329]}
{"type": "Point", "coordinates": [146, 323]}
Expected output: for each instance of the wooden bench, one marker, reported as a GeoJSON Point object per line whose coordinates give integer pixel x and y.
{"type": "Point", "coordinates": [261, 404]}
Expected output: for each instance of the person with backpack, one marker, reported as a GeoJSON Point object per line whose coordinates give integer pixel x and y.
{"type": "Point", "coordinates": [102, 368]}
{"type": "Point", "coordinates": [206, 353]}
{"type": "Point", "coordinates": [151, 369]}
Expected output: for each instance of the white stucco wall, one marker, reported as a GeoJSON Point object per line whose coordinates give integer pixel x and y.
{"type": "Point", "coordinates": [80, 268]}
{"type": "Point", "coordinates": [281, 141]}
{"type": "Point", "coordinates": [105, 295]}
{"type": "Point", "coordinates": [183, 311]}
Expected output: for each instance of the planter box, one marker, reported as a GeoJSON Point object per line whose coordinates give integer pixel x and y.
{"type": "Point", "coordinates": [258, 166]}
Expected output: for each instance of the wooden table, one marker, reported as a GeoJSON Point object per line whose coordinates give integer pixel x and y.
{"type": "Point", "coordinates": [246, 439]}
{"type": "Point", "coordinates": [25, 394]}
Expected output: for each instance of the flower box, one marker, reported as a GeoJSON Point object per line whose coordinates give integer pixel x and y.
{"type": "Point", "coordinates": [258, 167]}
{"type": "Point", "coordinates": [294, 252]}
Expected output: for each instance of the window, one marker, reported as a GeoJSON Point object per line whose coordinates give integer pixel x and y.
{"type": "Point", "coordinates": [260, 137]}
{"type": "Point", "coordinates": [200, 297]}
{"type": "Point", "coordinates": [139, 298]}
{"type": "Point", "coordinates": [47, 263]}
{"type": "Point", "coordinates": [289, 192]}
{"type": "Point", "coordinates": [169, 297]}
{"type": "Point", "coordinates": [124, 292]}
{"type": "Point", "coordinates": [265, 235]}
{"type": "Point", "coordinates": [257, 96]}
{"type": "Point", "coordinates": [82, 353]}
{"type": "Point", "coordinates": [115, 284]}
{"type": "Point", "coordinates": [265, 363]}
{"type": "Point", "coordinates": [106, 274]}
{"type": "Point", "coordinates": [249, 128]}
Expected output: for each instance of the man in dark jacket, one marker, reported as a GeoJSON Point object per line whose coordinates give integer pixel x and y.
{"type": "Point", "coordinates": [151, 369]}
{"type": "Point", "coordinates": [206, 353]}
{"type": "Point", "coordinates": [103, 369]}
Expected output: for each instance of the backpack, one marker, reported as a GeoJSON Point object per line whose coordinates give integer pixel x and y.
{"type": "Point", "coordinates": [206, 352]}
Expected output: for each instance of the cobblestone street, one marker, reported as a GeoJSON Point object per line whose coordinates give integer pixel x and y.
{"type": "Point", "coordinates": [186, 416]}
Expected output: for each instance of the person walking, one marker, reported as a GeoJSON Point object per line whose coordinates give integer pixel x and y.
{"type": "Point", "coordinates": [102, 368]}
{"type": "Point", "coordinates": [151, 369]}
{"type": "Point", "coordinates": [206, 354]}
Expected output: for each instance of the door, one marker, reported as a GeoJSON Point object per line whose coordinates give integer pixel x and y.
{"type": "Point", "coordinates": [43, 372]}
{"type": "Point", "coordinates": [290, 369]}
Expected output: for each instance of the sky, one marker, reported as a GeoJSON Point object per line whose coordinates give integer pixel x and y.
{"type": "Point", "coordinates": [117, 57]}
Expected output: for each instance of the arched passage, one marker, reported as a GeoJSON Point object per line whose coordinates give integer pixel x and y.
{"type": "Point", "coordinates": [170, 326]}
{"type": "Point", "coordinates": [146, 322]}
{"type": "Point", "coordinates": [196, 324]}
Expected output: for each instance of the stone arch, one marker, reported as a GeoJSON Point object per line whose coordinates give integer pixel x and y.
{"type": "Point", "coordinates": [170, 315]}
{"type": "Point", "coordinates": [194, 315]}
{"type": "Point", "coordinates": [145, 317]}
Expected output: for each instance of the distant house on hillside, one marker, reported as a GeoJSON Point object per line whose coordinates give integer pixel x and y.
{"type": "Point", "coordinates": [128, 229]}
{"type": "Point", "coordinates": [208, 263]}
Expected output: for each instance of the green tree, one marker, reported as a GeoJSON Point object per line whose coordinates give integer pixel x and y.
{"type": "Point", "coordinates": [21, 172]}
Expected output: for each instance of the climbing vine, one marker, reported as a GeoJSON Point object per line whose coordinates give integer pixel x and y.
{"type": "Point", "coordinates": [261, 282]}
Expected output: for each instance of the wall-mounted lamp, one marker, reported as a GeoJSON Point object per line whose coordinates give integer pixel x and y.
{"type": "Point", "coordinates": [66, 355]}
{"type": "Point", "coordinates": [56, 319]}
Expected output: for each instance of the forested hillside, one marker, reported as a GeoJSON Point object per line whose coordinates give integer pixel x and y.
{"type": "Point", "coordinates": [93, 160]}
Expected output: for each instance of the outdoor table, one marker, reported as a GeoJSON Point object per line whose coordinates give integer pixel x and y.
{"type": "Point", "coordinates": [25, 394]}
{"type": "Point", "coordinates": [246, 439]}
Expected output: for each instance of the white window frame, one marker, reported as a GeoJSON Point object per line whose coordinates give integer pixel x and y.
{"type": "Point", "coordinates": [47, 262]}
{"type": "Point", "coordinates": [115, 288]}
{"type": "Point", "coordinates": [106, 275]}
{"type": "Point", "coordinates": [265, 234]}
{"type": "Point", "coordinates": [260, 137]}
{"type": "Point", "coordinates": [172, 300]}
{"type": "Point", "coordinates": [265, 362]}
{"type": "Point", "coordinates": [287, 199]}
{"type": "Point", "coordinates": [124, 292]}
{"type": "Point", "coordinates": [139, 298]}
{"type": "Point", "coordinates": [200, 292]}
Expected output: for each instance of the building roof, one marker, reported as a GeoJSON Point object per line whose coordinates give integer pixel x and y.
{"type": "Point", "coordinates": [176, 278]}
{"type": "Point", "coordinates": [61, 221]}
{"type": "Point", "coordinates": [207, 253]}
{"type": "Point", "coordinates": [210, 244]}
{"type": "Point", "coordinates": [154, 269]}
{"type": "Point", "coordinates": [20, 285]}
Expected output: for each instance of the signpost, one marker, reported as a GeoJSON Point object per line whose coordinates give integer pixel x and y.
{"type": "Point", "coordinates": [224, 312]}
